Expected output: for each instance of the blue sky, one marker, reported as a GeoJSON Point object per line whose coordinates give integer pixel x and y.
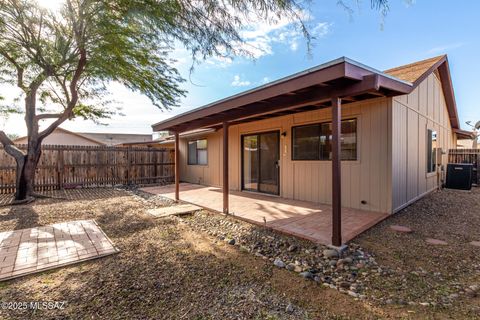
{"type": "Point", "coordinates": [411, 32]}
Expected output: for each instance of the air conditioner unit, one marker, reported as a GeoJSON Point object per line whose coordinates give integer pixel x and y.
{"type": "Point", "coordinates": [459, 176]}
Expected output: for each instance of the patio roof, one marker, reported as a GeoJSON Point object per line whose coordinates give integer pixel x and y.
{"type": "Point", "coordinates": [313, 89]}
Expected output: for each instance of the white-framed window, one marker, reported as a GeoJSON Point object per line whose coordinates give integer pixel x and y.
{"type": "Point", "coordinates": [197, 152]}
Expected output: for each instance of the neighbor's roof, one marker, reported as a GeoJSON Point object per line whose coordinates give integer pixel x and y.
{"type": "Point", "coordinates": [111, 139]}
{"type": "Point", "coordinates": [464, 134]}
{"type": "Point", "coordinates": [104, 139]}
{"type": "Point", "coordinates": [312, 89]}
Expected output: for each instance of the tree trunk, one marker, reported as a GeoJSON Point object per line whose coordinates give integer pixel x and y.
{"type": "Point", "coordinates": [26, 173]}
{"type": "Point", "coordinates": [26, 161]}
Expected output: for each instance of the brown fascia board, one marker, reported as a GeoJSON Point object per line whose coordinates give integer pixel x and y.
{"type": "Point", "coordinates": [336, 69]}
{"type": "Point", "coordinates": [447, 87]}
{"type": "Point", "coordinates": [446, 81]}
{"type": "Point", "coordinates": [370, 83]}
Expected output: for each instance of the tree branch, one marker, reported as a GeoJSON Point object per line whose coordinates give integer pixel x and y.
{"type": "Point", "coordinates": [17, 66]}
{"type": "Point", "coordinates": [82, 62]}
{"type": "Point", "coordinates": [10, 147]}
{"type": "Point", "coordinates": [48, 116]}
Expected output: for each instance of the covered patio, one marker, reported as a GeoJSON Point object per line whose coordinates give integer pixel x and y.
{"type": "Point", "coordinates": [330, 85]}
{"type": "Point", "coordinates": [308, 220]}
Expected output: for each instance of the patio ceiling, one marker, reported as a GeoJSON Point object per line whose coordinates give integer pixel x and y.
{"type": "Point", "coordinates": [308, 90]}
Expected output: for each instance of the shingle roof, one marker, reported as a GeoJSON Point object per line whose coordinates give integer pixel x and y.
{"type": "Point", "coordinates": [413, 71]}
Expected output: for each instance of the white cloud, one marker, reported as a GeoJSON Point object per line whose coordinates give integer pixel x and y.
{"type": "Point", "coordinates": [321, 29]}
{"type": "Point", "coordinates": [294, 45]}
{"type": "Point", "coordinates": [260, 35]}
{"type": "Point", "coordinates": [445, 48]}
{"type": "Point", "coordinates": [265, 80]}
{"type": "Point", "coordinates": [237, 82]}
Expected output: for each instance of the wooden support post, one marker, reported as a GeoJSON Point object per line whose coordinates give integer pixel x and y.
{"type": "Point", "coordinates": [336, 172]}
{"type": "Point", "coordinates": [177, 167]}
{"type": "Point", "coordinates": [225, 167]}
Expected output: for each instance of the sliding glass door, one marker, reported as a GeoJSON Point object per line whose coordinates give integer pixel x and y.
{"type": "Point", "coordinates": [260, 162]}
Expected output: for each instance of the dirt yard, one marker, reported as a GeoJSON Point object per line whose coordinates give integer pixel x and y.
{"type": "Point", "coordinates": [170, 269]}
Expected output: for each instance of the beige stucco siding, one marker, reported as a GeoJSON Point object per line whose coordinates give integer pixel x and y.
{"type": "Point", "coordinates": [367, 179]}
{"type": "Point", "coordinates": [424, 108]}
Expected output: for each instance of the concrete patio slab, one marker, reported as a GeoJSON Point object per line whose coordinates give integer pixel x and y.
{"type": "Point", "coordinates": [308, 220]}
{"type": "Point", "coordinates": [32, 250]}
{"type": "Point", "coordinates": [174, 210]}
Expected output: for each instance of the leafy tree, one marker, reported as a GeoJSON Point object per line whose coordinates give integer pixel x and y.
{"type": "Point", "coordinates": [13, 136]}
{"type": "Point", "coordinates": [62, 61]}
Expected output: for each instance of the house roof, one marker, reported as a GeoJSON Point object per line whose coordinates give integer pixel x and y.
{"type": "Point", "coordinates": [313, 89]}
{"type": "Point", "coordinates": [413, 71]}
{"type": "Point", "coordinates": [68, 132]}
{"type": "Point", "coordinates": [464, 134]}
{"type": "Point", "coordinates": [105, 139]}
{"type": "Point", "coordinates": [112, 139]}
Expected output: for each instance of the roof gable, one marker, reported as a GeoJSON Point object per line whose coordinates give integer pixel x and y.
{"type": "Point", "coordinates": [412, 72]}
{"type": "Point", "coordinates": [418, 71]}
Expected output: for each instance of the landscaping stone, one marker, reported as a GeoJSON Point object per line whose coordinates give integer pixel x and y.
{"type": "Point", "coordinates": [306, 274]}
{"type": "Point", "coordinates": [290, 267]}
{"type": "Point", "coordinates": [292, 248]}
{"type": "Point", "coordinates": [436, 242]}
{"type": "Point", "coordinates": [401, 229]}
{"type": "Point", "coordinates": [289, 308]}
{"type": "Point", "coordinates": [297, 268]}
{"type": "Point", "coordinates": [279, 263]}
{"type": "Point", "coordinates": [330, 253]}
{"type": "Point", "coordinates": [475, 243]}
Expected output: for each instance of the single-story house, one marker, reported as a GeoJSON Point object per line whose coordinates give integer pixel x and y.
{"type": "Point", "coordinates": [341, 133]}
{"type": "Point", "coordinates": [62, 136]}
{"type": "Point", "coordinates": [470, 141]}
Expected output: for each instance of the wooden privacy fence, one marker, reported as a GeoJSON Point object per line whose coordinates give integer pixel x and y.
{"type": "Point", "coordinates": [65, 167]}
{"type": "Point", "coordinates": [467, 156]}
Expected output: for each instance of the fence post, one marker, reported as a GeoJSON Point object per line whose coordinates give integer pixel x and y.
{"type": "Point", "coordinates": [155, 170]}
{"type": "Point", "coordinates": [128, 165]}
{"type": "Point", "coordinates": [60, 168]}
{"type": "Point", "coordinates": [478, 169]}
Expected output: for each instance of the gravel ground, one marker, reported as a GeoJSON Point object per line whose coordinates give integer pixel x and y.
{"type": "Point", "coordinates": [186, 269]}
{"type": "Point", "coordinates": [419, 272]}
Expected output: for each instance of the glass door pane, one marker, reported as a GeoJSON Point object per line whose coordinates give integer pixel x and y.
{"type": "Point", "coordinates": [250, 162]}
{"type": "Point", "coordinates": [269, 165]}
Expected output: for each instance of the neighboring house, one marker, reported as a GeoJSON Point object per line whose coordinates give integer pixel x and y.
{"type": "Point", "coordinates": [396, 126]}
{"type": "Point", "coordinates": [62, 136]}
{"type": "Point", "coordinates": [118, 139]}
{"type": "Point", "coordinates": [468, 142]}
